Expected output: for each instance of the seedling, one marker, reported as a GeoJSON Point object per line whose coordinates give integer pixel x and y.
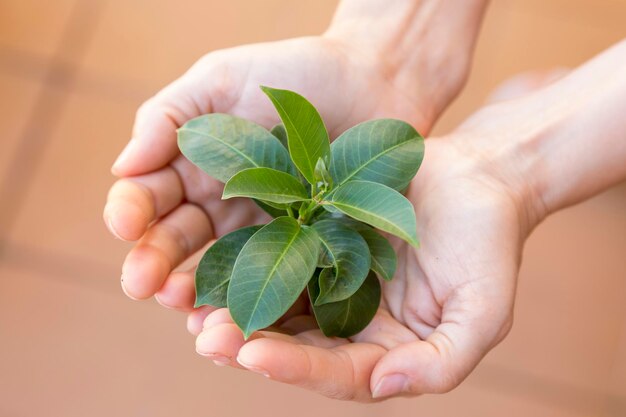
{"type": "Point", "coordinates": [326, 200]}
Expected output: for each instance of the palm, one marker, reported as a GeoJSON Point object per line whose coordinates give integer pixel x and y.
{"type": "Point", "coordinates": [168, 188]}
{"type": "Point", "coordinates": [315, 67]}
{"type": "Point", "coordinates": [461, 280]}
{"type": "Point", "coordinates": [441, 292]}
{"type": "Point", "coordinates": [463, 264]}
{"type": "Point", "coordinates": [293, 64]}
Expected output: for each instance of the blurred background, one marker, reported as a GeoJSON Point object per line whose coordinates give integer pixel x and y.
{"type": "Point", "coordinates": [73, 72]}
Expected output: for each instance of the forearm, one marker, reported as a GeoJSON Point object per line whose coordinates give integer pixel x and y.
{"type": "Point", "coordinates": [425, 44]}
{"type": "Point", "coordinates": [580, 149]}
{"type": "Point", "coordinates": [567, 142]}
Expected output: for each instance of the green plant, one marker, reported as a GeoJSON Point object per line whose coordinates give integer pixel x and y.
{"type": "Point", "coordinates": [324, 199]}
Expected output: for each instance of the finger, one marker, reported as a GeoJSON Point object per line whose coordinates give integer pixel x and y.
{"type": "Point", "coordinates": [342, 372]}
{"type": "Point", "coordinates": [204, 318]}
{"type": "Point", "coordinates": [222, 316]}
{"type": "Point", "coordinates": [217, 317]}
{"type": "Point", "coordinates": [221, 339]}
{"type": "Point", "coordinates": [386, 331]}
{"type": "Point", "coordinates": [134, 202]}
{"type": "Point", "coordinates": [153, 142]}
{"type": "Point", "coordinates": [178, 292]}
{"type": "Point", "coordinates": [210, 85]}
{"type": "Point", "coordinates": [315, 337]}
{"type": "Point", "coordinates": [212, 342]}
{"type": "Point", "coordinates": [221, 343]}
{"type": "Point", "coordinates": [165, 245]}
{"type": "Point", "coordinates": [469, 329]}
{"type": "Point", "coordinates": [196, 318]}
{"type": "Point", "coordinates": [306, 334]}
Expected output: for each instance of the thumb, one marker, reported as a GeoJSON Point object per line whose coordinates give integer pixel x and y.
{"type": "Point", "coordinates": [154, 139]}
{"type": "Point", "coordinates": [447, 356]}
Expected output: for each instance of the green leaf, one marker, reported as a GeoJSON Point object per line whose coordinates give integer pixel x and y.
{"type": "Point", "coordinates": [272, 211]}
{"type": "Point", "coordinates": [215, 267]}
{"type": "Point", "coordinates": [384, 258]}
{"type": "Point", "coordinates": [324, 260]}
{"type": "Point", "coordinates": [306, 133]}
{"type": "Point", "coordinates": [280, 133]}
{"type": "Point", "coordinates": [350, 258]}
{"type": "Point", "coordinates": [271, 271]}
{"type": "Point", "coordinates": [330, 209]}
{"type": "Point", "coordinates": [322, 176]}
{"type": "Point", "coordinates": [222, 145]}
{"type": "Point", "coordinates": [378, 206]}
{"type": "Point", "coordinates": [386, 151]}
{"type": "Point", "coordinates": [265, 184]}
{"type": "Point", "coordinates": [348, 317]}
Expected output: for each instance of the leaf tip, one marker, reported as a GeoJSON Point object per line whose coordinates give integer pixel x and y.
{"type": "Point", "coordinates": [267, 90]}
{"type": "Point", "coordinates": [322, 299]}
{"type": "Point", "coordinates": [247, 333]}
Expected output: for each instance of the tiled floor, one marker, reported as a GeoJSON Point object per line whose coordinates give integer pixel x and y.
{"type": "Point", "coordinates": [120, 46]}
{"type": "Point", "coordinates": [71, 75]}
{"type": "Point", "coordinates": [18, 97]}
{"type": "Point", "coordinates": [75, 164]}
{"type": "Point", "coordinates": [33, 26]}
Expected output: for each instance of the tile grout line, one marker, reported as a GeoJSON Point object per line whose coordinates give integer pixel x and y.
{"type": "Point", "coordinates": [62, 267]}
{"type": "Point", "coordinates": [29, 66]}
{"type": "Point", "coordinates": [60, 72]}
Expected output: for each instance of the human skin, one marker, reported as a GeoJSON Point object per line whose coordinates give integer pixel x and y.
{"type": "Point", "coordinates": [479, 193]}
{"type": "Point", "coordinates": [393, 58]}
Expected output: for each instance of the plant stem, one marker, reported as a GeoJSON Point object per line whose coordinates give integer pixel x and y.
{"type": "Point", "coordinates": [290, 212]}
{"type": "Point", "coordinates": [306, 213]}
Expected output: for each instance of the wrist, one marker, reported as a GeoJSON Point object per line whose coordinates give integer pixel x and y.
{"type": "Point", "coordinates": [559, 145]}
{"type": "Point", "coordinates": [423, 47]}
{"type": "Point", "coordinates": [502, 146]}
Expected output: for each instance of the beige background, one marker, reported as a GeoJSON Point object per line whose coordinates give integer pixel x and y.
{"type": "Point", "coordinates": [72, 73]}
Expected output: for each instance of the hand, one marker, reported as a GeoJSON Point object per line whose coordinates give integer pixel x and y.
{"type": "Point", "coordinates": [479, 193]}
{"type": "Point", "coordinates": [449, 303]}
{"type": "Point", "coordinates": [174, 209]}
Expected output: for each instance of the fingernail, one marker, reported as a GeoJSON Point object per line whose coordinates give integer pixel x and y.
{"type": "Point", "coordinates": [220, 360]}
{"type": "Point", "coordinates": [123, 157]}
{"type": "Point", "coordinates": [253, 368]}
{"type": "Point", "coordinates": [124, 289]}
{"type": "Point", "coordinates": [390, 385]}
{"type": "Point", "coordinates": [162, 303]}
{"type": "Point", "coordinates": [109, 223]}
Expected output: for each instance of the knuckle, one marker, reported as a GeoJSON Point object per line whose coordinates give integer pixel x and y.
{"type": "Point", "coordinates": [145, 108]}
{"type": "Point", "coordinates": [222, 74]}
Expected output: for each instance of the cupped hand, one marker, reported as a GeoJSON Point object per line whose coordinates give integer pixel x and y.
{"type": "Point", "coordinates": [449, 303]}
{"type": "Point", "coordinates": [172, 208]}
